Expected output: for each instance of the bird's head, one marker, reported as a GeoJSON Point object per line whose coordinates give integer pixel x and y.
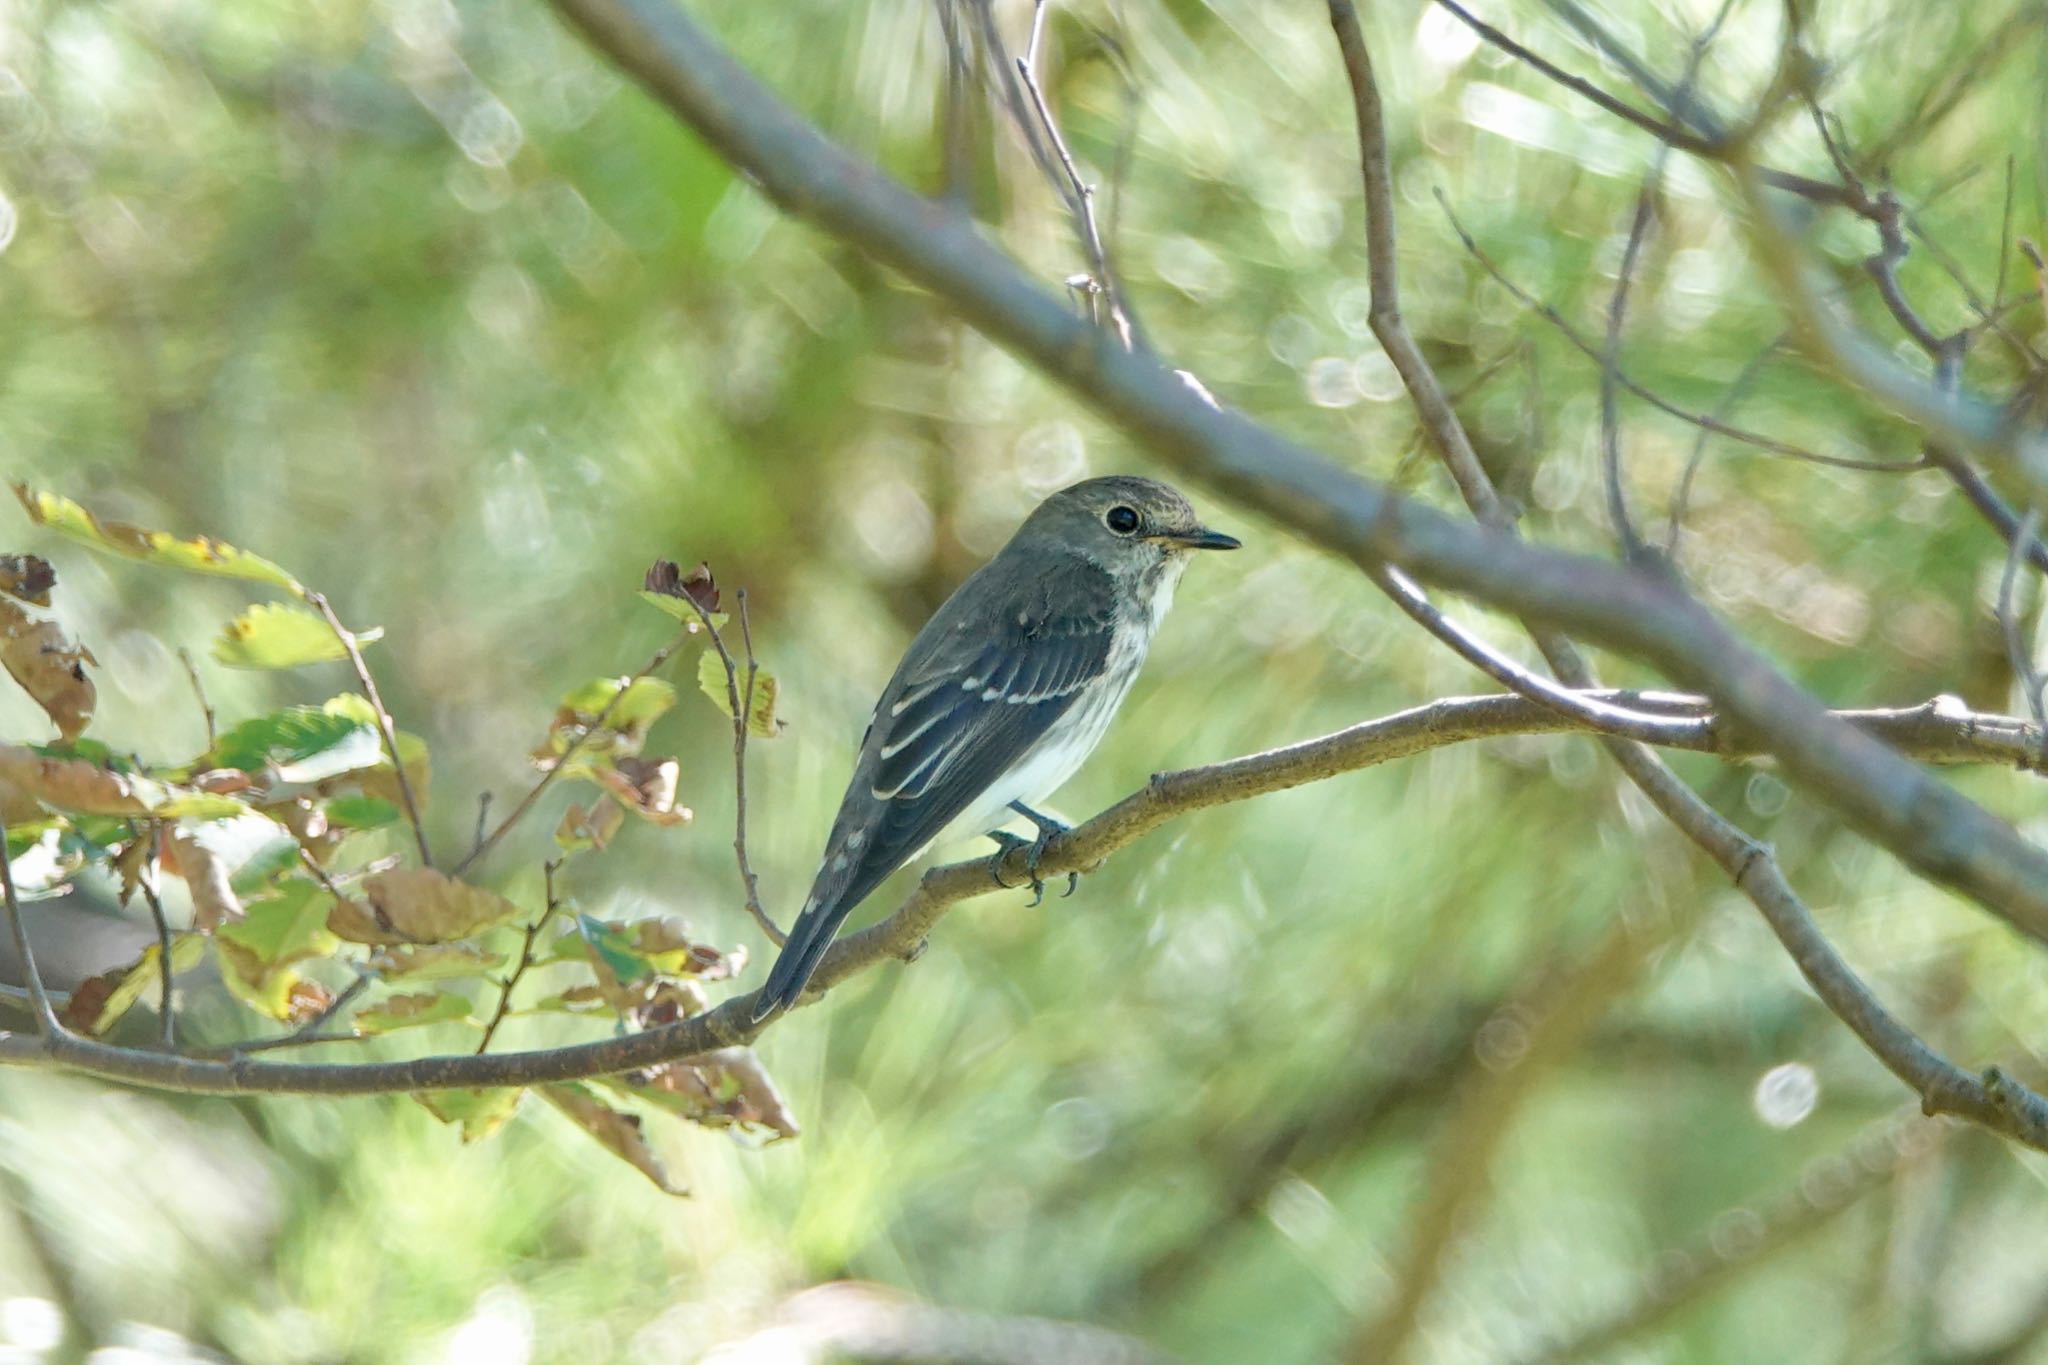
{"type": "Point", "coordinates": [1124, 520]}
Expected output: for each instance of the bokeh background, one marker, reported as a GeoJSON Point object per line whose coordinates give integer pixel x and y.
{"type": "Point", "coordinates": [421, 300]}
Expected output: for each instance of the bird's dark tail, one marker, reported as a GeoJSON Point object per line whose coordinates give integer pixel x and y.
{"type": "Point", "coordinates": [808, 939]}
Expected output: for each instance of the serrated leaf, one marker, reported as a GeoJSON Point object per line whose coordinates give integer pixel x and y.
{"type": "Point", "coordinates": [480, 1112]}
{"type": "Point", "coordinates": [278, 635]}
{"type": "Point", "coordinates": [620, 1132]}
{"type": "Point", "coordinates": [314, 741]}
{"type": "Point", "coordinates": [411, 1011]}
{"type": "Point", "coordinates": [200, 554]}
{"type": "Point", "coordinates": [761, 719]}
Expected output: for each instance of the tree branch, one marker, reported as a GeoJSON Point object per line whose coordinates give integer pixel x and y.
{"type": "Point", "coordinates": [1941, 730]}
{"type": "Point", "coordinates": [1943, 834]}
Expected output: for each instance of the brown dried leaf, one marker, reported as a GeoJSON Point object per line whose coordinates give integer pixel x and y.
{"type": "Point", "coordinates": [306, 1001]}
{"type": "Point", "coordinates": [49, 667]}
{"type": "Point", "coordinates": [697, 585]}
{"type": "Point", "coordinates": [81, 1014]}
{"type": "Point", "coordinates": [129, 862]}
{"type": "Point", "coordinates": [718, 1089]}
{"type": "Point", "coordinates": [425, 906]}
{"type": "Point", "coordinates": [619, 1131]}
{"type": "Point", "coordinates": [645, 786]}
{"type": "Point", "coordinates": [206, 875]}
{"type": "Point", "coordinates": [72, 784]}
{"type": "Point", "coordinates": [28, 577]}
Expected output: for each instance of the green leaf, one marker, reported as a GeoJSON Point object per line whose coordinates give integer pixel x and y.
{"type": "Point", "coordinates": [480, 1112]}
{"type": "Point", "coordinates": [411, 1011]}
{"type": "Point", "coordinates": [315, 741]}
{"type": "Point", "coordinates": [681, 610]}
{"type": "Point", "coordinates": [201, 554]}
{"type": "Point", "coordinates": [190, 805]}
{"type": "Point", "coordinates": [361, 812]}
{"type": "Point", "coordinates": [761, 720]}
{"type": "Point", "coordinates": [288, 927]}
{"type": "Point", "coordinates": [278, 635]}
{"type": "Point", "coordinates": [640, 700]}
{"type": "Point", "coordinates": [614, 949]}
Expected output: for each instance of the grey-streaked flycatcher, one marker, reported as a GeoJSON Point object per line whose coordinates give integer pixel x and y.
{"type": "Point", "coordinates": [1002, 695]}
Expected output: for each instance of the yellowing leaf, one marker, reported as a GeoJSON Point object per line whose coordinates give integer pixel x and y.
{"type": "Point", "coordinates": [480, 1112]}
{"type": "Point", "coordinates": [620, 1132]}
{"type": "Point", "coordinates": [761, 719]}
{"type": "Point", "coordinates": [277, 635]}
{"type": "Point", "coordinates": [411, 1011]}
{"type": "Point", "coordinates": [425, 906]}
{"type": "Point", "coordinates": [200, 554]}
{"type": "Point", "coordinates": [433, 961]}
{"type": "Point", "coordinates": [49, 667]}
{"type": "Point", "coordinates": [99, 1001]}
{"type": "Point", "coordinates": [593, 828]}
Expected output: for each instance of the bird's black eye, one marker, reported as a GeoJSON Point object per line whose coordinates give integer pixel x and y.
{"type": "Point", "coordinates": [1122, 520]}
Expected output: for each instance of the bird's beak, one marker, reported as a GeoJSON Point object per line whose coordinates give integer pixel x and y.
{"type": "Point", "coordinates": [1202, 538]}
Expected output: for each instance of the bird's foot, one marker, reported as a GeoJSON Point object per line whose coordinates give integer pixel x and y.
{"type": "Point", "coordinates": [1008, 843]}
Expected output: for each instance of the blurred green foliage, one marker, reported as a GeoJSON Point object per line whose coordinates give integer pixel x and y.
{"type": "Point", "coordinates": [421, 300]}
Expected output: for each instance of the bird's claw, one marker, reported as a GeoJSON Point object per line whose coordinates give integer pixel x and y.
{"type": "Point", "coordinates": [1009, 843]}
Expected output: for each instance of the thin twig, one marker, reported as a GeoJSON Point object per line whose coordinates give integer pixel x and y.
{"type": "Point", "coordinates": [1681, 500]}
{"type": "Point", "coordinates": [151, 871]}
{"type": "Point", "coordinates": [369, 684]}
{"type": "Point", "coordinates": [484, 845]}
{"type": "Point", "coordinates": [1632, 546]}
{"type": "Point", "coordinates": [39, 997]}
{"type": "Point", "coordinates": [519, 969]}
{"type": "Point", "coordinates": [1078, 193]}
{"type": "Point", "coordinates": [199, 691]}
{"type": "Point", "coordinates": [739, 699]}
{"type": "Point", "coordinates": [2017, 653]}
{"type": "Point", "coordinates": [1704, 421]}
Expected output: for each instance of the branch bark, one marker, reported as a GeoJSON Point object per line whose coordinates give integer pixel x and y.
{"type": "Point", "coordinates": [1940, 730]}
{"type": "Point", "coordinates": [1942, 834]}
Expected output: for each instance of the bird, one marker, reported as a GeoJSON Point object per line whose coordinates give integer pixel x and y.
{"type": "Point", "coordinates": [1001, 696]}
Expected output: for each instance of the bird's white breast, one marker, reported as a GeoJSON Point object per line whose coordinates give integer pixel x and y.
{"type": "Point", "coordinates": [1066, 744]}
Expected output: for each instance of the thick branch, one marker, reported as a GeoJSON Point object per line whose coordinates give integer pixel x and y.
{"type": "Point", "coordinates": [1944, 835]}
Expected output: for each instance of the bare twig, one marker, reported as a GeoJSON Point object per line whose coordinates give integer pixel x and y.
{"type": "Point", "coordinates": [484, 845]}
{"type": "Point", "coordinates": [1942, 1086]}
{"type": "Point", "coordinates": [167, 1032]}
{"type": "Point", "coordinates": [1681, 500]}
{"type": "Point", "coordinates": [199, 692]}
{"type": "Point", "coordinates": [525, 963]}
{"type": "Point", "coordinates": [1704, 421]}
{"type": "Point", "coordinates": [1077, 192]}
{"type": "Point", "coordinates": [39, 996]}
{"type": "Point", "coordinates": [2018, 654]}
{"type": "Point", "coordinates": [739, 700]}
{"type": "Point", "coordinates": [319, 603]}
{"type": "Point", "coordinates": [1632, 546]}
